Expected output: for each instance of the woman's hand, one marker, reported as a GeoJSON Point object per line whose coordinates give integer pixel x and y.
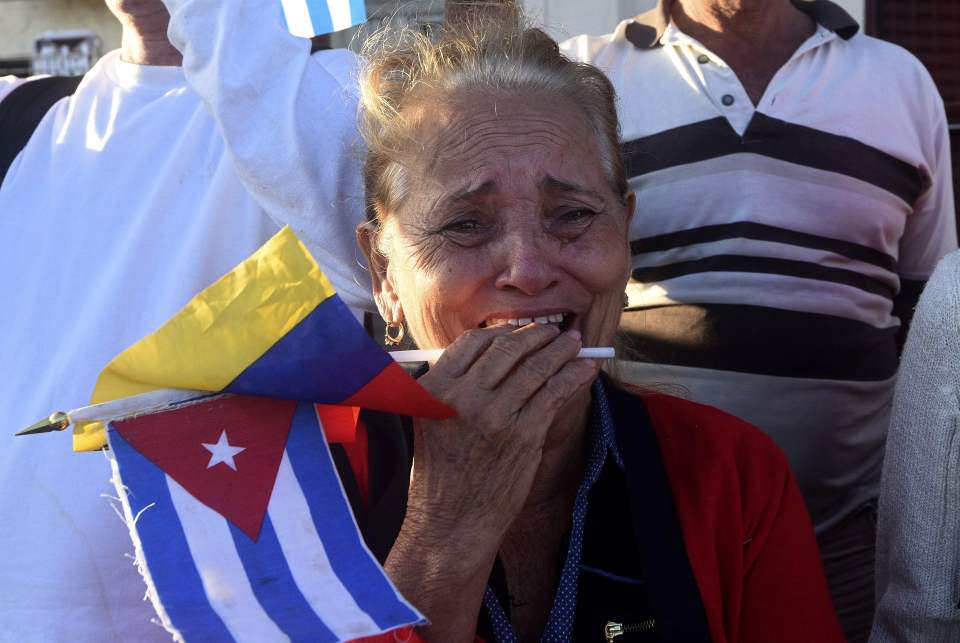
{"type": "Point", "coordinates": [472, 473]}
{"type": "Point", "coordinates": [507, 386]}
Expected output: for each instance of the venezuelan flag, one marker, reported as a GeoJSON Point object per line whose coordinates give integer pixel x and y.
{"type": "Point", "coordinates": [272, 327]}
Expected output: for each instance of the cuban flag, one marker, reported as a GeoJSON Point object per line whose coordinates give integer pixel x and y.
{"type": "Point", "coordinates": [241, 527]}
{"type": "Point", "coordinates": [309, 18]}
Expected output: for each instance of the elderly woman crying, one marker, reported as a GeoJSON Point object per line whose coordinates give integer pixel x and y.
{"type": "Point", "coordinates": [556, 506]}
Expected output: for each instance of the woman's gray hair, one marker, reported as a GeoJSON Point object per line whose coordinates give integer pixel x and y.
{"type": "Point", "coordinates": [496, 54]}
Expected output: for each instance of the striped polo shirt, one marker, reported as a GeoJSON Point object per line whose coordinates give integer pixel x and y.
{"type": "Point", "coordinates": [771, 241]}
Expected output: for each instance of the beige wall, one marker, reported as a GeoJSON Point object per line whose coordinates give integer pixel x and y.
{"type": "Point", "coordinates": [22, 20]}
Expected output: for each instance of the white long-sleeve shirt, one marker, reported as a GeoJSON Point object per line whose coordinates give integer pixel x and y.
{"type": "Point", "coordinates": [281, 116]}
{"type": "Point", "coordinates": [123, 205]}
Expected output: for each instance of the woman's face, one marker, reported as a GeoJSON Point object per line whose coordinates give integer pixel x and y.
{"type": "Point", "coordinates": [508, 217]}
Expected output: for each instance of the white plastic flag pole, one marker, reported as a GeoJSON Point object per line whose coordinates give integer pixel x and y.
{"type": "Point", "coordinates": [433, 354]}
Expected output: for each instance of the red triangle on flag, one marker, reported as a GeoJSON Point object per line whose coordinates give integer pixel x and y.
{"type": "Point", "coordinates": [339, 422]}
{"type": "Point", "coordinates": [394, 391]}
{"type": "Point", "coordinates": [225, 452]}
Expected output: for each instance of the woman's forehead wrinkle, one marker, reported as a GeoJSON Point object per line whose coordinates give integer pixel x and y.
{"type": "Point", "coordinates": [468, 151]}
{"type": "Point", "coordinates": [469, 131]}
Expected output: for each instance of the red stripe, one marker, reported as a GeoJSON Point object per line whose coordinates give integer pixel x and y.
{"type": "Point", "coordinates": [394, 391]}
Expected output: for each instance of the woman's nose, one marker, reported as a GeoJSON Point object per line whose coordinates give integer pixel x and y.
{"type": "Point", "coordinates": [529, 265]}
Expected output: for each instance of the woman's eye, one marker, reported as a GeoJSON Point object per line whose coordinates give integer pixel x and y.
{"type": "Point", "coordinates": [464, 227]}
{"type": "Point", "coordinates": [577, 215]}
{"type": "Point", "coordinates": [571, 222]}
{"type": "Point", "coordinates": [466, 232]}
{"type": "Point", "coordinates": [574, 219]}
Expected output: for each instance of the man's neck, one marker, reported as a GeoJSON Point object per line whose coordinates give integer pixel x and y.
{"type": "Point", "coordinates": [754, 37]}
{"type": "Point", "coordinates": [758, 23]}
{"type": "Point", "coordinates": [144, 40]}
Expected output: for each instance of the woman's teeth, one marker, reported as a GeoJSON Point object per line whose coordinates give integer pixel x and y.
{"type": "Point", "coordinates": [523, 321]}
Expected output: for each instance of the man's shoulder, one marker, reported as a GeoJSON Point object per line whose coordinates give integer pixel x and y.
{"type": "Point", "coordinates": [599, 50]}
{"type": "Point", "coordinates": [9, 83]}
{"type": "Point", "coordinates": [885, 62]}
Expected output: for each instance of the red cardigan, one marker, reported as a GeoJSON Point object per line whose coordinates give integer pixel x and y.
{"type": "Point", "coordinates": [745, 528]}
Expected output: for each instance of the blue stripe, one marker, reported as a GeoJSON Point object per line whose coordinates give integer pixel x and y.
{"type": "Point", "coordinates": [325, 358]}
{"type": "Point", "coordinates": [320, 16]}
{"type": "Point", "coordinates": [275, 588]}
{"type": "Point", "coordinates": [165, 547]}
{"type": "Point", "coordinates": [358, 11]}
{"type": "Point", "coordinates": [352, 563]}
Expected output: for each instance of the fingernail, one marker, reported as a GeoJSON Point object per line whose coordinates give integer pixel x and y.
{"type": "Point", "coordinates": [574, 333]}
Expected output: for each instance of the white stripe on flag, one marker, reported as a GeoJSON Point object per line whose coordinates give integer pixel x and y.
{"type": "Point", "coordinates": [298, 18]}
{"type": "Point", "coordinates": [340, 14]}
{"type": "Point", "coordinates": [307, 558]}
{"type": "Point", "coordinates": [221, 571]}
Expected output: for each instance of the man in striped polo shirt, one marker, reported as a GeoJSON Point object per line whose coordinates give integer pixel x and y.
{"type": "Point", "coordinates": [793, 195]}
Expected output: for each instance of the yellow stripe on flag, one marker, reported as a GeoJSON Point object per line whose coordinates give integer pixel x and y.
{"type": "Point", "coordinates": [220, 332]}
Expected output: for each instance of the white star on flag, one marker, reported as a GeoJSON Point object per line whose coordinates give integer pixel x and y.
{"type": "Point", "coordinates": [222, 451]}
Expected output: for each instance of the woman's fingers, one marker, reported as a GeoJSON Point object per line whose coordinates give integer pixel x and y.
{"type": "Point", "coordinates": [464, 351]}
{"type": "Point", "coordinates": [507, 352]}
{"type": "Point", "coordinates": [536, 369]}
{"type": "Point", "coordinates": [572, 378]}
{"type": "Point", "coordinates": [493, 372]}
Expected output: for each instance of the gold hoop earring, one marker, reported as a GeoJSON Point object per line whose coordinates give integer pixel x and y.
{"type": "Point", "coordinates": [398, 332]}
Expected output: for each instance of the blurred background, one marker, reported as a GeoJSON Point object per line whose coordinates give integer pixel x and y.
{"type": "Point", "coordinates": [66, 37]}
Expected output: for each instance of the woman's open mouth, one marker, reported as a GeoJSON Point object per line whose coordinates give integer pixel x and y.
{"type": "Point", "coordinates": [562, 320]}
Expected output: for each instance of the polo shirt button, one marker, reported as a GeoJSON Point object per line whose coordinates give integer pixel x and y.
{"type": "Point", "coordinates": [727, 100]}
{"type": "Point", "coordinates": [703, 59]}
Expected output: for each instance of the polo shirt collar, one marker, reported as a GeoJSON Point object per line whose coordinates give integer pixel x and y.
{"type": "Point", "coordinates": [645, 30]}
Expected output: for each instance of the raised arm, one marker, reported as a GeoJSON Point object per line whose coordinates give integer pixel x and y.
{"type": "Point", "coordinates": [289, 122]}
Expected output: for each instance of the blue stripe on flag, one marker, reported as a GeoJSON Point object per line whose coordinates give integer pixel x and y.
{"type": "Point", "coordinates": [325, 358]}
{"type": "Point", "coordinates": [320, 16]}
{"type": "Point", "coordinates": [358, 11]}
{"type": "Point", "coordinates": [350, 560]}
{"type": "Point", "coordinates": [275, 588]}
{"type": "Point", "coordinates": [165, 547]}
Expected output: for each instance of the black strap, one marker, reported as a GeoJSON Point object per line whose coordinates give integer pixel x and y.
{"type": "Point", "coordinates": [675, 596]}
{"type": "Point", "coordinates": [23, 109]}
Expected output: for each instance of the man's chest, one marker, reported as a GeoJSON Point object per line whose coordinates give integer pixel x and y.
{"type": "Point", "coordinates": [699, 152]}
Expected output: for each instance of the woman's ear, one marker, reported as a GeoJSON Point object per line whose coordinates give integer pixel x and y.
{"type": "Point", "coordinates": [384, 294]}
